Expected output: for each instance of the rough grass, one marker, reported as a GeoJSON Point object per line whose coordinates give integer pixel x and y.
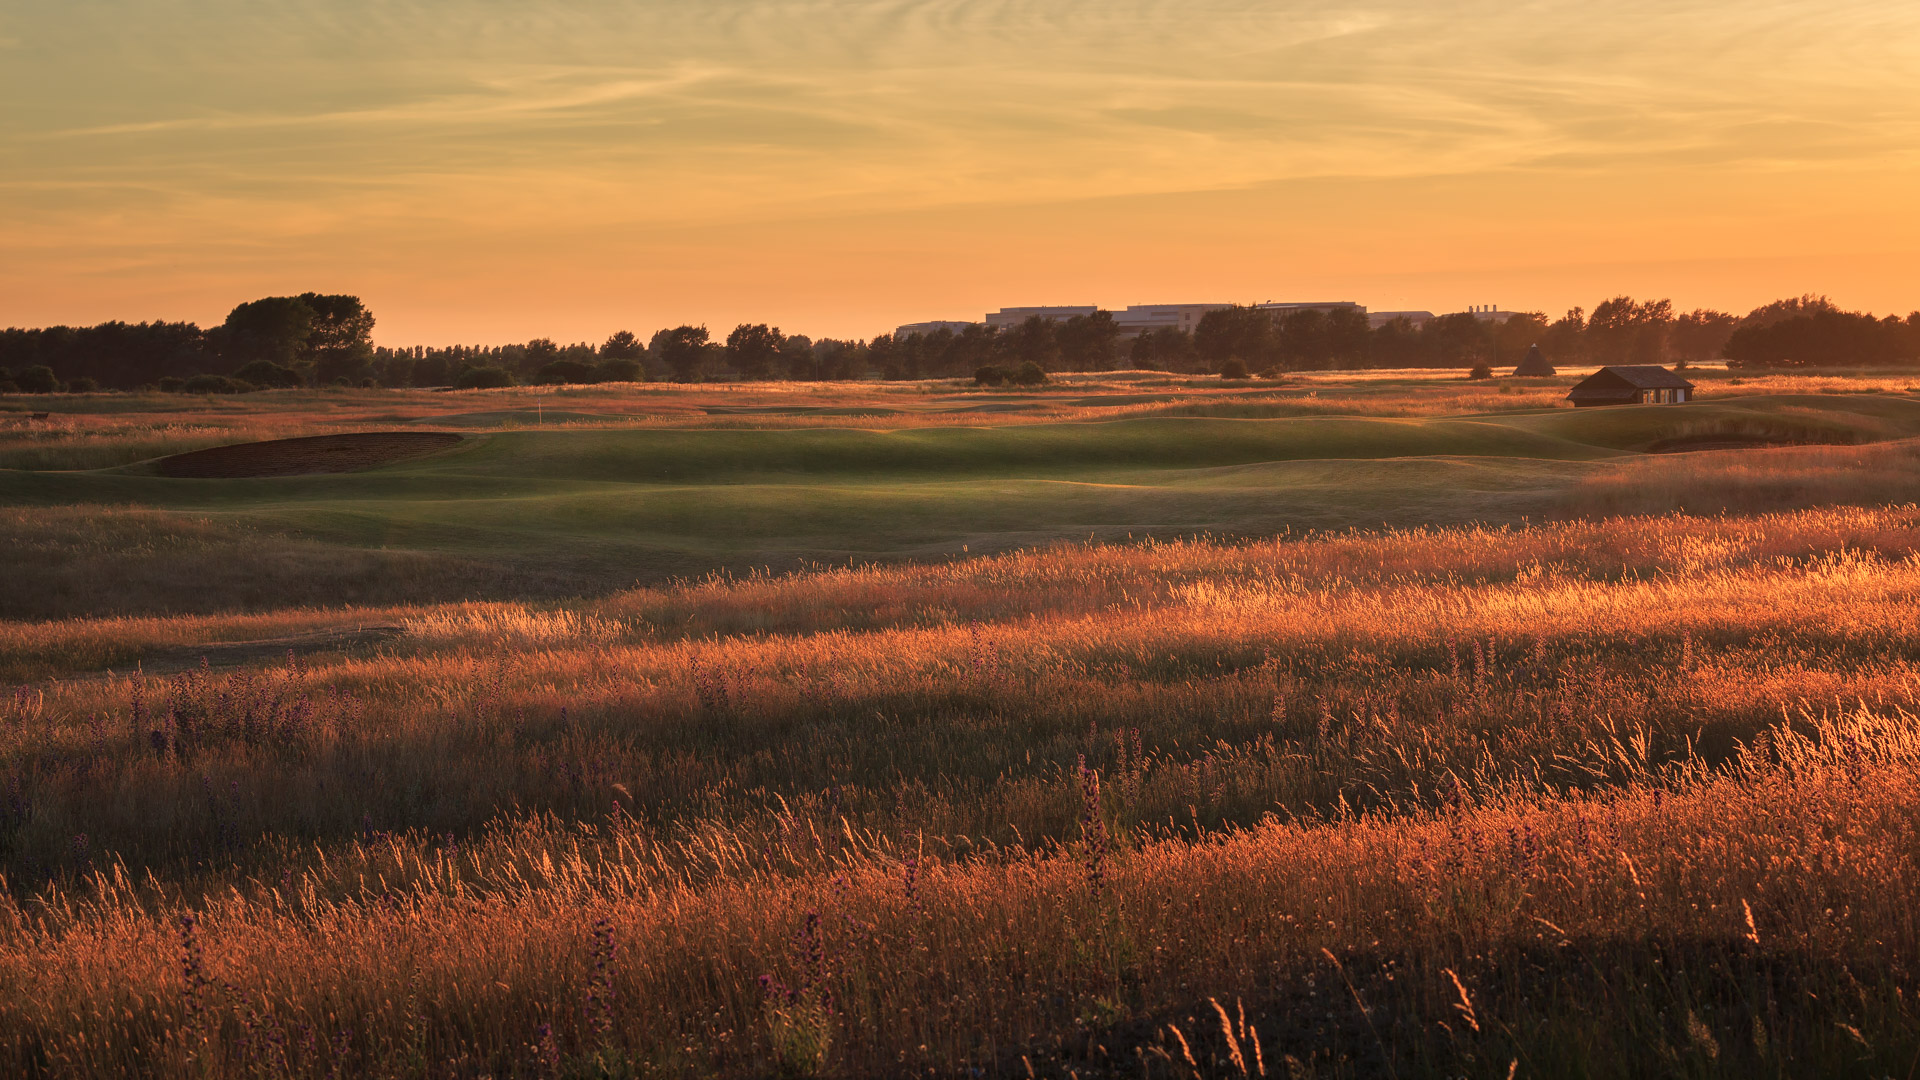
{"type": "Point", "coordinates": [1605, 798]}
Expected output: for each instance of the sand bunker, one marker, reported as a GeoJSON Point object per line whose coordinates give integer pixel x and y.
{"type": "Point", "coordinates": [300, 457]}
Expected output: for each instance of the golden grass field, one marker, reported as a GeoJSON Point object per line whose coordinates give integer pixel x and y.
{"type": "Point", "coordinates": [1628, 790]}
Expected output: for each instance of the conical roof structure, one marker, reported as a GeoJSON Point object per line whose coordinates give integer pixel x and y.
{"type": "Point", "coordinates": [1534, 366]}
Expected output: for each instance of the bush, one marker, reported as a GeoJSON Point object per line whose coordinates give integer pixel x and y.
{"type": "Point", "coordinates": [1480, 371]}
{"type": "Point", "coordinates": [85, 384]}
{"type": "Point", "coordinates": [266, 373]}
{"type": "Point", "coordinates": [619, 369]}
{"type": "Point", "coordinates": [562, 372]}
{"type": "Point", "coordinates": [215, 384]}
{"type": "Point", "coordinates": [990, 375]}
{"type": "Point", "coordinates": [483, 378]}
{"type": "Point", "coordinates": [1233, 369]}
{"type": "Point", "coordinates": [170, 384]}
{"type": "Point", "coordinates": [1027, 374]}
{"type": "Point", "coordinates": [37, 380]}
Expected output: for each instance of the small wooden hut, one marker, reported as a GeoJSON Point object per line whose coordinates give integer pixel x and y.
{"type": "Point", "coordinates": [1636, 384]}
{"type": "Point", "coordinates": [1534, 365]}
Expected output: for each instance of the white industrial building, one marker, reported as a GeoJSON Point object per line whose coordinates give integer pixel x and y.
{"type": "Point", "coordinates": [1140, 318]}
{"type": "Point", "coordinates": [1324, 307]}
{"type": "Point", "coordinates": [1137, 319]}
{"type": "Point", "coordinates": [1378, 319]}
{"type": "Point", "coordinates": [934, 327]}
{"type": "Point", "coordinates": [1008, 317]}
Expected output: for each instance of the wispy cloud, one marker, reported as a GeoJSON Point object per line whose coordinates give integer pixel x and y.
{"type": "Point", "coordinates": [262, 118]}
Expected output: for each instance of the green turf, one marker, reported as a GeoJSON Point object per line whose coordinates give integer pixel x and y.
{"type": "Point", "coordinates": [620, 505]}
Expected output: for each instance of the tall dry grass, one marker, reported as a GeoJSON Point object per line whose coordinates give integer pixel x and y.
{"type": "Point", "coordinates": [1753, 480]}
{"type": "Point", "coordinates": [1599, 798]}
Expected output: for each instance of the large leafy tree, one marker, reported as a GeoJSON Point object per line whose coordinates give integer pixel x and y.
{"type": "Point", "coordinates": [274, 329]}
{"type": "Point", "coordinates": [622, 346]}
{"type": "Point", "coordinates": [1236, 333]}
{"type": "Point", "coordinates": [1089, 342]}
{"type": "Point", "coordinates": [340, 343]}
{"type": "Point", "coordinates": [329, 333]}
{"type": "Point", "coordinates": [684, 350]}
{"type": "Point", "coordinates": [1622, 331]}
{"type": "Point", "coordinates": [753, 349]}
{"type": "Point", "coordinates": [1033, 342]}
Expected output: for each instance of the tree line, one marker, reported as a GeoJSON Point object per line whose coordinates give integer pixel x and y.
{"type": "Point", "coordinates": [318, 339]}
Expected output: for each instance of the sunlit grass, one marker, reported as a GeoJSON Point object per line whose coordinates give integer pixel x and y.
{"type": "Point", "coordinates": [951, 811]}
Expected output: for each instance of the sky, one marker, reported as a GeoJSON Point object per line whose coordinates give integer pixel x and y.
{"type": "Point", "coordinates": [484, 171]}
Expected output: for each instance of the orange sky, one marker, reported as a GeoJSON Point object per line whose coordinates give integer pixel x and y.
{"type": "Point", "coordinates": [493, 170]}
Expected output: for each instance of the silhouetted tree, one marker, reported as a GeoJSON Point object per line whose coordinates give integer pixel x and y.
{"type": "Point", "coordinates": [1033, 342]}
{"type": "Point", "coordinates": [619, 369]}
{"type": "Point", "coordinates": [622, 345]}
{"type": "Point", "coordinates": [1168, 348]}
{"type": "Point", "coordinates": [1088, 342]}
{"type": "Point", "coordinates": [1456, 340]}
{"type": "Point", "coordinates": [753, 349]}
{"type": "Point", "coordinates": [273, 329]}
{"type": "Point", "coordinates": [565, 371]}
{"type": "Point", "coordinates": [38, 379]}
{"type": "Point", "coordinates": [1700, 334]}
{"type": "Point", "coordinates": [483, 378]}
{"type": "Point", "coordinates": [1027, 374]}
{"type": "Point", "coordinates": [339, 342]}
{"type": "Point", "coordinates": [1823, 337]}
{"type": "Point", "coordinates": [266, 373]}
{"type": "Point", "coordinates": [1236, 333]}
{"type": "Point", "coordinates": [684, 349]}
{"type": "Point", "coordinates": [1566, 339]}
{"type": "Point", "coordinates": [1621, 331]}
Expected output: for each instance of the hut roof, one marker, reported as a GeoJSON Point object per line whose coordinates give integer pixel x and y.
{"type": "Point", "coordinates": [1637, 376]}
{"type": "Point", "coordinates": [1534, 364]}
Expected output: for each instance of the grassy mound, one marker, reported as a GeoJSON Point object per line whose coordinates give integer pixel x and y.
{"type": "Point", "coordinates": [300, 457]}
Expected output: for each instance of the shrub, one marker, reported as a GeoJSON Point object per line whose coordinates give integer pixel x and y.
{"type": "Point", "coordinates": [990, 375]}
{"type": "Point", "coordinates": [170, 384]}
{"type": "Point", "coordinates": [619, 369]}
{"type": "Point", "coordinates": [215, 384]}
{"type": "Point", "coordinates": [266, 373]}
{"type": "Point", "coordinates": [483, 378]}
{"type": "Point", "coordinates": [1027, 374]}
{"type": "Point", "coordinates": [1234, 368]}
{"type": "Point", "coordinates": [37, 380]}
{"type": "Point", "coordinates": [560, 372]}
{"type": "Point", "coordinates": [85, 384]}
{"type": "Point", "coordinates": [1480, 371]}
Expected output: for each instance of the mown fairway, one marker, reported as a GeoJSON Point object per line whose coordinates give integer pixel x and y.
{"type": "Point", "coordinates": [1574, 791]}
{"type": "Point", "coordinates": [546, 513]}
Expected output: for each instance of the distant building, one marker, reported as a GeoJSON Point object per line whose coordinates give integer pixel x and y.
{"type": "Point", "coordinates": [1378, 319]}
{"type": "Point", "coordinates": [1534, 365]}
{"type": "Point", "coordinates": [933, 327]}
{"type": "Point", "coordinates": [1491, 313]}
{"type": "Point", "coordinates": [1140, 318]}
{"type": "Point", "coordinates": [1324, 307]}
{"type": "Point", "coordinates": [1631, 385]}
{"type": "Point", "coordinates": [1008, 317]}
